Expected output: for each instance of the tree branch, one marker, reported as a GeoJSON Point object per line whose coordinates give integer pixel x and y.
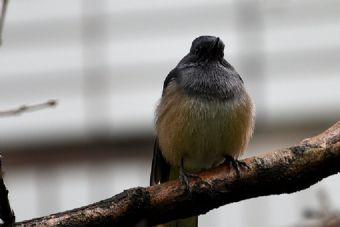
{"type": "Point", "coordinates": [28, 108]}
{"type": "Point", "coordinates": [284, 170]}
{"type": "Point", "coordinates": [2, 18]}
{"type": "Point", "coordinates": [6, 213]}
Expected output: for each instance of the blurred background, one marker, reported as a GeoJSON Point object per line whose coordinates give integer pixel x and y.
{"type": "Point", "coordinates": [105, 62]}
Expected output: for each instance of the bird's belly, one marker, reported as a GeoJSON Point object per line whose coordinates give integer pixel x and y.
{"type": "Point", "coordinates": [203, 132]}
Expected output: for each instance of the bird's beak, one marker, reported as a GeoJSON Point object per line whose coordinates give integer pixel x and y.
{"type": "Point", "coordinates": [216, 43]}
{"type": "Point", "coordinates": [215, 48]}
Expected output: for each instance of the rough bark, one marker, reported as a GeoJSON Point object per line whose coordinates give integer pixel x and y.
{"type": "Point", "coordinates": [281, 171]}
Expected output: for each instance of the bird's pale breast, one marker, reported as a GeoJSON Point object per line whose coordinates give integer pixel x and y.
{"type": "Point", "coordinates": [202, 132]}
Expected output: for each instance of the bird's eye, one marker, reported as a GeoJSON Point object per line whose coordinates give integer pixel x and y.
{"type": "Point", "coordinates": [197, 50]}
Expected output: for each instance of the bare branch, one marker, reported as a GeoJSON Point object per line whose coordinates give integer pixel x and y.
{"type": "Point", "coordinates": [28, 108]}
{"type": "Point", "coordinates": [284, 170]}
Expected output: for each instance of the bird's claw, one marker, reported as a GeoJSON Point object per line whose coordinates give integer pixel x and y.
{"type": "Point", "coordinates": [184, 178]}
{"type": "Point", "coordinates": [236, 164]}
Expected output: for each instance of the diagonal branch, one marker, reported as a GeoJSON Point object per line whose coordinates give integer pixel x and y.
{"type": "Point", "coordinates": [284, 170]}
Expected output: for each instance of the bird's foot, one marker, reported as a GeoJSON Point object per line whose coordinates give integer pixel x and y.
{"type": "Point", "coordinates": [184, 177]}
{"type": "Point", "coordinates": [236, 164]}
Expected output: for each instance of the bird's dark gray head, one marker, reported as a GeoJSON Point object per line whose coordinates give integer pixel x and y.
{"type": "Point", "coordinates": [207, 48]}
{"type": "Point", "coordinates": [204, 73]}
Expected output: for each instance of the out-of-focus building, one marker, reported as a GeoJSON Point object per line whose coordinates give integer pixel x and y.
{"type": "Point", "coordinates": [105, 62]}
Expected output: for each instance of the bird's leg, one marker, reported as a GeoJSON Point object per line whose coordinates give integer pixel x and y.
{"type": "Point", "coordinates": [236, 164]}
{"type": "Point", "coordinates": [184, 175]}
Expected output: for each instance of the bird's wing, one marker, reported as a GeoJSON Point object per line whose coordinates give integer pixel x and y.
{"type": "Point", "coordinates": [160, 169]}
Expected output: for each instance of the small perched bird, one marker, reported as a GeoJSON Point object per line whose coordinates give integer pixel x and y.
{"type": "Point", "coordinates": [205, 117]}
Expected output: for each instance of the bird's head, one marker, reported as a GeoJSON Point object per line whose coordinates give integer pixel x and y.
{"type": "Point", "coordinates": [207, 48]}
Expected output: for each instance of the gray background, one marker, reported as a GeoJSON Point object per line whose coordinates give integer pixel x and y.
{"type": "Point", "coordinates": [105, 62]}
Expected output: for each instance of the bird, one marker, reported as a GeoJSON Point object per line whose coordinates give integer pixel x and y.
{"type": "Point", "coordinates": [205, 117]}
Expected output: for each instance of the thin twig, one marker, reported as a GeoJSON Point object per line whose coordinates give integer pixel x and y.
{"type": "Point", "coordinates": [281, 171]}
{"type": "Point", "coordinates": [6, 213]}
{"type": "Point", "coordinates": [28, 108]}
{"type": "Point", "coordinates": [2, 17]}
{"type": "Point", "coordinates": [324, 216]}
